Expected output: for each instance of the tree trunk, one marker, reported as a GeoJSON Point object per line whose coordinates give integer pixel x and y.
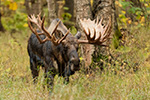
{"type": "Point", "coordinates": [101, 8]}
{"type": "Point", "coordinates": [52, 9]}
{"type": "Point", "coordinates": [70, 5]}
{"type": "Point", "coordinates": [59, 8]}
{"type": "Point", "coordinates": [1, 26]}
{"type": "Point", "coordinates": [106, 9]}
{"type": "Point", "coordinates": [83, 10]}
{"type": "Point", "coordinates": [28, 9]}
{"type": "Point", "coordinates": [33, 6]}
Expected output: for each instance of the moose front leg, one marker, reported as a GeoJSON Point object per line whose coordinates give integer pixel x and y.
{"type": "Point", "coordinates": [67, 73]}
{"type": "Point", "coordinates": [49, 73]}
{"type": "Point", "coordinates": [49, 78]}
{"type": "Point", "coordinates": [66, 81]}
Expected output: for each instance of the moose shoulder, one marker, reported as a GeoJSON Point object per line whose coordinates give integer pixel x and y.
{"type": "Point", "coordinates": [45, 47]}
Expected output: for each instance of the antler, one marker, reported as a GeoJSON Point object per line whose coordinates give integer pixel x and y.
{"type": "Point", "coordinates": [40, 24]}
{"type": "Point", "coordinates": [95, 32]}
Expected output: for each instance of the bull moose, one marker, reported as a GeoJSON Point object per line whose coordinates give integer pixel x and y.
{"type": "Point", "coordinates": [59, 55]}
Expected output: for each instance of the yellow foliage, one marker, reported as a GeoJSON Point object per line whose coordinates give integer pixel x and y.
{"type": "Point", "coordinates": [8, 70]}
{"type": "Point", "coordinates": [25, 25]}
{"type": "Point", "coordinates": [13, 6]}
{"type": "Point", "coordinates": [92, 2]}
{"type": "Point", "coordinates": [129, 21]}
{"type": "Point", "coordinates": [142, 24]}
{"type": "Point", "coordinates": [87, 75]}
{"type": "Point", "coordinates": [120, 15]}
{"type": "Point", "coordinates": [117, 3]}
{"type": "Point", "coordinates": [142, 19]}
{"type": "Point", "coordinates": [146, 5]}
{"type": "Point", "coordinates": [124, 20]}
{"type": "Point", "coordinates": [136, 23]}
{"type": "Point", "coordinates": [21, 2]}
{"type": "Point", "coordinates": [8, 0]}
{"type": "Point", "coordinates": [123, 12]}
{"type": "Point", "coordinates": [0, 68]}
{"type": "Point", "coordinates": [81, 58]}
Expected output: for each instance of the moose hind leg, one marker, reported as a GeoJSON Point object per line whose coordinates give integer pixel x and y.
{"type": "Point", "coordinates": [34, 69]}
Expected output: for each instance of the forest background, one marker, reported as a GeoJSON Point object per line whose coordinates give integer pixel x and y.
{"type": "Point", "coordinates": [121, 71]}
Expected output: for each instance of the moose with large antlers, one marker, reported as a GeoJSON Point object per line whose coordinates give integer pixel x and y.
{"type": "Point", "coordinates": [58, 55]}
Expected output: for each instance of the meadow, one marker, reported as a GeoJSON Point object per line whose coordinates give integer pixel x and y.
{"type": "Point", "coordinates": [16, 81]}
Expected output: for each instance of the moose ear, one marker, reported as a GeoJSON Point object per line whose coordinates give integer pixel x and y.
{"type": "Point", "coordinates": [78, 35]}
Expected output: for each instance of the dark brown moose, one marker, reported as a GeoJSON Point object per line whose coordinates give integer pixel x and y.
{"type": "Point", "coordinates": [59, 55]}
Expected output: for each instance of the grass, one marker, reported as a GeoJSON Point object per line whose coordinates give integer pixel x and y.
{"type": "Point", "coordinates": [16, 81]}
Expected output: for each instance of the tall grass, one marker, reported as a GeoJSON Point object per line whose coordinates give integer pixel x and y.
{"type": "Point", "coordinates": [16, 81]}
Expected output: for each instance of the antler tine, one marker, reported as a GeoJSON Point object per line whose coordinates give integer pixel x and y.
{"type": "Point", "coordinates": [57, 42]}
{"type": "Point", "coordinates": [29, 24]}
{"type": "Point", "coordinates": [36, 21]}
{"type": "Point", "coordinates": [89, 35]}
{"type": "Point", "coordinates": [43, 28]}
{"type": "Point", "coordinates": [101, 20]}
{"type": "Point", "coordinates": [97, 20]}
{"type": "Point", "coordinates": [92, 38]}
{"type": "Point", "coordinates": [109, 27]}
{"type": "Point", "coordinates": [64, 36]}
{"type": "Point", "coordinates": [106, 32]}
{"type": "Point", "coordinates": [56, 27]}
{"type": "Point", "coordinates": [35, 32]}
{"type": "Point", "coordinates": [86, 33]}
{"type": "Point", "coordinates": [98, 37]}
{"type": "Point", "coordinates": [39, 18]}
{"type": "Point", "coordinates": [33, 20]}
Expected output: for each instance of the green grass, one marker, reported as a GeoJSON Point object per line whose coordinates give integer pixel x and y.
{"type": "Point", "coordinates": [16, 80]}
